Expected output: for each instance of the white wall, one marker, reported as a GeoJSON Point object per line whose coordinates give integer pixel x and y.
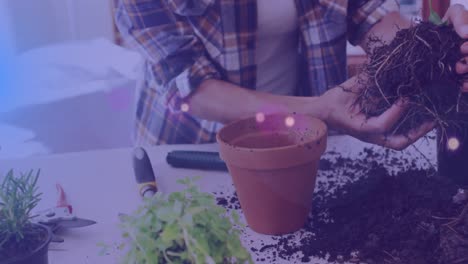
{"type": "Point", "coordinates": [91, 18]}
{"type": "Point", "coordinates": [96, 111]}
{"type": "Point", "coordinates": [7, 39]}
{"type": "Point", "coordinates": [35, 23]}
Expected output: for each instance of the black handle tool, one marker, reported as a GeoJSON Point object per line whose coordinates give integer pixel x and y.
{"type": "Point", "coordinates": [202, 160]}
{"type": "Point", "coordinates": [144, 173]}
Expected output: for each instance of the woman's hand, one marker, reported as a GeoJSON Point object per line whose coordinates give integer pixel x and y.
{"type": "Point", "coordinates": [345, 116]}
{"type": "Point", "coordinates": [458, 16]}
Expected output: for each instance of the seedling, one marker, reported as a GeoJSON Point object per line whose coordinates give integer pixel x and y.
{"type": "Point", "coordinates": [19, 237]}
{"type": "Point", "coordinates": [182, 227]}
{"type": "Point", "coordinates": [18, 197]}
{"type": "Point", "coordinates": [433, 16]}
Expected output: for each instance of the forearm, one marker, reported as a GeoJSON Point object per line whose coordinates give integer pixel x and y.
{"type": "Point", "coordinates": [225, 102]}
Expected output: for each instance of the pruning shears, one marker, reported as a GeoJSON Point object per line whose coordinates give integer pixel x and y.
{"type": "Point", "coordinates": [60, 216]}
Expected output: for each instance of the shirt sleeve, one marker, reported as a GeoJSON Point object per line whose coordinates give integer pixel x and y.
{"type": "Point", "coordinates": [363, 14]}
{"type": "Point", "coordinates": [168, 43]}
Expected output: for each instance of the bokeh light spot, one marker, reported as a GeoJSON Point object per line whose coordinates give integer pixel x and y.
{"type": "Point", "coordinates": [260, 117]}
{"type": "Point", "coordinates": [184, 107]}
{"type": "Point", "coordinates": [453, 144]}
{"type": "Point", "coordinates": [289, 121]}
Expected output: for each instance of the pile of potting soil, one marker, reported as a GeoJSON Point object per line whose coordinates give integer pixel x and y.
{"type": "Point", "coordinates": [407, 218]}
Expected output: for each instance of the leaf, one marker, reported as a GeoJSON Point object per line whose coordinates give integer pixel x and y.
{"type": "Point", "coordinates": [177, 208]}
{"type": "Point", "coordinates": [170, 233]}
{"type": "Point", "coordinates": [167, 215]}
{"type": "Point", "coordinates": [144, 243]}
{"type": "Point", "coordinates": [19, 196]}
{"type": "Point", "coordinates": [433, 16]}
{"type": "Point", "coordinates": [183, 227]}
{"type": "Point", "coordinates": [203, 242]}
{"type": "Point", "coordinates": [177, 196]}
{"type": "Point", "coordinates": [187, 219]}
{"type": "Point", "coordinates": [184, 181]}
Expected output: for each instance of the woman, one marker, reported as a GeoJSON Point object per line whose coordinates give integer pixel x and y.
{"type": "Point", "coordinates": [209, 62]}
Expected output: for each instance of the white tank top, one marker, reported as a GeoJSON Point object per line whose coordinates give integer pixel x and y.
{"type": "Point", "coordinates": [277, 42]}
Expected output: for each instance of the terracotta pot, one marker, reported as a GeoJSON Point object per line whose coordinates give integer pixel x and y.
{"type": "Point", "coordinates": [273, 162]}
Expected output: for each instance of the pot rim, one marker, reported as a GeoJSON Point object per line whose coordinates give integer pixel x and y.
{"type": "Point", "coordinates": [322, 133]}
{"type": "Point", "coordinates": [38, 249]}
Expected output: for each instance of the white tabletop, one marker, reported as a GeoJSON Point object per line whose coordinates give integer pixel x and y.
{"type": "Point", "coordinates": [100, 185]}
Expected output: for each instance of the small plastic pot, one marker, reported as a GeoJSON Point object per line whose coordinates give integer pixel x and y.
{"type": "Point", "coordinates": [273, 161]}
{"type": "Point", "coordinates": [38, 256]}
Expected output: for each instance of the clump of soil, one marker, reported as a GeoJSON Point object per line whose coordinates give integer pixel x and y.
{"type": "Point", "coordinates": [229, 201]}
{"type": "Point", "coordinates": [419, 66]}
{"type": "Point", "coordinates": [407, 218]}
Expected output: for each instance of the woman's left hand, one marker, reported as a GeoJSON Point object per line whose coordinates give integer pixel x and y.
{"type": "Point", "coordinates": [458, 16]}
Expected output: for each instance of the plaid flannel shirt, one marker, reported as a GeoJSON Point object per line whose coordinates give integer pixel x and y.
{"type": "Point", "coordinates": [185, 42]}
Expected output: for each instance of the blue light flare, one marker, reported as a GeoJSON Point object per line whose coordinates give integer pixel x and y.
{"type": "Point", "coordinates": [8, 94]}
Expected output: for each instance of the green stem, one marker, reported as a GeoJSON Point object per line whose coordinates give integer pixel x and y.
{"type": "Point", "coordinates": [192, 254]}
{"type": "Point", "coordinates": [173, 254]}
{"type": "Point", "coordinates": [210, 259]}
{"type": "Point", "coordinates": [133, 237]}
{"type": "Point", "coordinates": [166, 257]}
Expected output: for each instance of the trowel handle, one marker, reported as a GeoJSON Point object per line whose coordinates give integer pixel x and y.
{"type": "Point", "coordinates": [201, 160]}
{"type": "Point", "coordinates": [144, 173]}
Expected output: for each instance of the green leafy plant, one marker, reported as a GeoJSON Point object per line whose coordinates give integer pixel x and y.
{"type": "Point", "coordinates": [433, 16]}
{"type": "Point", "coordinates": [18, 196]}
{"type": "Point", "coordinates": [183, 227]}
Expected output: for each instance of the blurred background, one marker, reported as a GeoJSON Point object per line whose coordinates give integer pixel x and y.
{"type": "Point", "coordinates": [65, 84]}
{"type": "Point", "coordinates": [72, 87]}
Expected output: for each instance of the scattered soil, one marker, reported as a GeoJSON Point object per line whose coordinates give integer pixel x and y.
{"type": "Point", "coordinates": [386, 219]}
{"type": "Point", "coordinates": [34, 238]}
{"type": "Point", "coordinates": [418, 65]}
{"type": "Point", "coordinates": [454, 240]}
{"type": "Point", "coordinates": [407, 218]}
{"type": "Point", "coordinates": [229, 201]}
